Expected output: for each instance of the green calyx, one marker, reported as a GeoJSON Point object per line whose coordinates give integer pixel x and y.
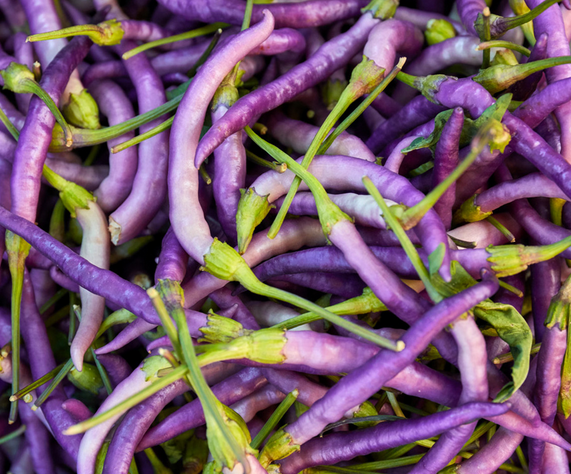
{"type": "Point", "coordinates": [252, 209]}
{"type": "Point", "coordinates": [227, 93]}
{"type": "Point", "coordinates": [19, 79]}
{"type": "Point", "coordinates": [499, 25]}
{"type": "Point", "coordinates": [508, 260]}
{"type": "Point", "coordinates": [469, 211]}
{"type": "Point", "coordinates": [364, 78]}
{"type": "Point", "coordinates": [560, 307]}
{"type": "Point", "coordinates": [88, 379]}
{"type": "Point", "coordinates": [499, 77]}
{"type": "Point", "coordinates": [107, 33]}
{"type": "Point", "coordinates": [82, 111]}
{"type": "Point", "coordinates": [16, 78]}
{"type": "Point", "coordinates": [382, 9]}
{"type": "Point", "coordinates": [72, 195]}
{"type": "Point", "coordinates": [280, 446]}
{"type": "Point", "coordinates": [221, 329]}
{"type": "Point", "coordinates": [438, 30]}
{"type": "Point", "coordinates": [224, 262]}
{"type": "Point", "coordinates": [428, 86]}
{"type": "Point", "coordinates": [504, 57]}
{"type": "Point", "coordinates": [236, 428]}
{"type": "Point", "coordinates": [264, 346]}
{"type": "Point", "coordinates": [153, 365]}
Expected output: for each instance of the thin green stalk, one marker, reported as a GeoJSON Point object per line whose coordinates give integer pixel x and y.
{"type": "Point", "coordinates": [270, 292]}
{"type": "Point", "coordinates": [395, 404]}
{"type": "Point", "coordinates": [9, 125]}
{"type": "Point", "coordinates": [185, 346]}
{"type": "Point", "coordinates": [280, 168]}
{"type": "Point", "coordinates": [57, 316]}
{"type": "Point", "coordinates": [487, 37]}
{"type": "Point", "coordinates": [347, 122]}
{"type": "Point", "coordinates": [92, 155]}
{"type": "Point", "coordinates": [274, 419]}
{"type": "Point", "coordinates": [556, 210]}
{"type": "Point", "coordinates": [144, 136]}
{"type": "Point", "coordinates": [130, 402]}
{"type": "Point", "coordinates": [203, 57]}
{"type": "Point", "coordinates": [498, 225]}
{"type": "Point", "coordinates": [204, 30]}
{"type": "Point", "coordinates": [521, 458]}
{"type": "Point", "coordinates": [351, 93]}
{"type": "Point", "coordinates": [14, 434]}
{"type": "Point", "coordinates": [72, 317]}
{"type": "Point", "coordinates": [407, 245]}
{"type": "Point", "coordinates": [55, 382]}
{"type": "Point", "coordinates": [388, 464]}
{"type": "Point", "coordinates": [53, 300]}
{"type": "Point", "coordinates": [102, 372]}
{"type": "Point", "coordinates": [504, 44]}
{"type": "Point", "coordinates": [17, 249]}
{"type": "Point", "coordinates": [166, 320]}
{"type": "Point", "coordinates": [36, 383]}
{"type": "Point", "coordinates": [510, 288]}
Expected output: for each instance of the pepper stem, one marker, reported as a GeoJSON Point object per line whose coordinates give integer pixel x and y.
{"type": "Point", "coordinates": [504, 44]}
{"type": "Point", "coordinates": [55, 382]}
{"type": "Point", "coordinates": [107, 33]}
{"type": "Point", "coordinates": [365, 77]}
{"type": "Point", "coordinates": [17, 249]}
{"type": "Point", "coordinates": [36, 383]}
{"type": "Point", "coordinates": [130, 402]}
{"type": "Point", "coordinates": [275, 418]}
{"type": "Point", "coordinates": [168, 303]}
{"type": "Point", "coordinates": [406, 243]}
{"type": "Point", "coordinates": [204, 30]}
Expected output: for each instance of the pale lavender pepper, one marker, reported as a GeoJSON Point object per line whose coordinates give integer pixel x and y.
{"type": "Point", "coordinates": [115, 188]}
{"type": "Point", "coordinates": [150, 183]}
{"type": "Point", "coordinates": [186, 215]}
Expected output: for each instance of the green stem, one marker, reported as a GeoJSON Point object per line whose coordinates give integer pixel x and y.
{"type": "Point", "coordinates": [36, 383]}
{"type": "Point", "coordinates": [366, 303]}
{"type": "Point", "coordinates": [130, 402]}
{"type": "Point", "coordinates": [556, 210]}
{"type": "Point", "coordinates": [92, 155]}
{"type": "Point", "coordinates": [55, 382]}
{"type": "Point", "coordinates": [247, 14]}
{"type": "Point", "coordinates": [107, 33]}
{"type": "Point", "coordinates": [412, 216]}
{"type": "Point", "coordinates": [203, 57]}
{"type": "Point", "coordinates": [17, 249]}
{"type": "Point", "coordinates": [407, 245]}
{"type": "Point", "coordinates": [487, 37]}
{"type": "Point", "coordinates": [14, 434]}
{"type": "Point", "coordinates": [395, 405]}
{"type": "Point", "coordinates": [53, 300]}
{"type": "Point", "coordinates": [504, 44]}
{"type": "Point", "coordinates": [72, 316]}
{"type": "Point", "coordinates": [378, 465]}
{"type": "Point", "coordinates": [274, 419]}
{"type": "Point", "coordinates": [498, 225]}
{"type": "Point", "coordinates": [36, 89]}
{"type": "Point", "coordinates": [352, 92]}
{"type": "Point", "coordinates": [270, 292]}
{"type": "Point", "coordinates": [169, 290]}
{"type": "Point", "coordinates": [102, 372]}
{"type": "Point", "coordinates": [280, 168]}
{"type": "Point", "coordinates": [512, 289]}
{"type": "Point", "coordinates": [166, 320]}
{"type": "Point", "coordinates": [347, 122]}
{"type": "Point", "coordinates": [144, 136]}
{"type": "Point", "coordinates": [519, 7]}
{"type": "Point", "coordinates": [204, 30]}
{"type": "Point", "coordinates": [156, 463]}
{"type": "Point", "coordinates": [515, 21]}
{"type": "Point", "coordinates": [9, 125]}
